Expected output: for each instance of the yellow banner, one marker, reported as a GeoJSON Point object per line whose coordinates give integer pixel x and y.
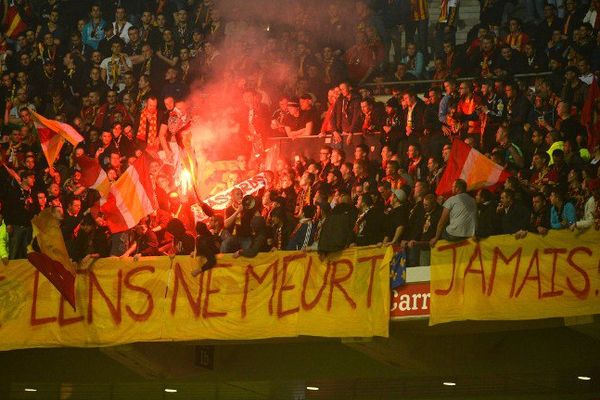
{"type": "Point", "coordinates": [278, 294]}
{"type": "Point", "coordinates": [502, 278]}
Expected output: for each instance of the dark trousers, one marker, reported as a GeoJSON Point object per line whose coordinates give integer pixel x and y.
{"type": "Point", "coordinates": [18, 241]}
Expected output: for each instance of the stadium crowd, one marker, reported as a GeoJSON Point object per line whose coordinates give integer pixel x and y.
{"type": "Point", "coordinates": [120, 74]}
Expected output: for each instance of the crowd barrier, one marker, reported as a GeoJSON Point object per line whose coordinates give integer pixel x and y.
{"type": "Point", "coordinates": [429, 82]}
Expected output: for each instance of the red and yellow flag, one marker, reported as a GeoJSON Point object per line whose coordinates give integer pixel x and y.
{"type": "Point", "coordinates": [53, 134]}
{"type": "Point", "coordinates": [93, 176]}
{"type": "Point", "coordinates": [130, 199]}
{"type": "Point", "coordinates": [473, 167]}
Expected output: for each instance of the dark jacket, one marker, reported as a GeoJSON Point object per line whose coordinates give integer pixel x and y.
{"type": "Point", "coordinates": [302, 236]}
{"type": "Point", "coordinates": [259, 237]}
{"type": "Point", "coordinates": [95, 242]}
{"type": "Point", "coordinates": [371, 232]}
{"type": "Point", "coordinates": [336, 231]}
{"type": "Point", "coordinates": [350, 120]}
{"type": "Point", "coordinates": [487, 220]}
{"type": "Point", "coordinates": [516, 218]}
{"type": "Point", "coordinates": [539, 219]}
{"type": "Point", "coordinates": [418, 118]}
{"type": "Point", "coordinates": [207, 245]}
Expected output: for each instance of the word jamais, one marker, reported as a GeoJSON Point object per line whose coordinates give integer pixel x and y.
{"type": "Point", "coordinates": [505, 278]}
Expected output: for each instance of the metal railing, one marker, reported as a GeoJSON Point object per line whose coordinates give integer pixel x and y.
{"type": "Point", "coordinates": [464, 78]}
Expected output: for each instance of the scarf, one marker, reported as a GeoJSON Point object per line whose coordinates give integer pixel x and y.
{"type": "Point", "coordinates": [148, 121]}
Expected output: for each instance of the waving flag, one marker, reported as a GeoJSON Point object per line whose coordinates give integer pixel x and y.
{"type": "Point", "coordinates": [65, 130]}
{"type": "Point", "coordinates": [93, 176]}
{"type": "Point", "coordinates": [130, 198]}
{"type": "Point", "coordinates": [53, 261]}
{"type": "Point", "coordinates": [51, 142]}
{"type": "Point", "coordinates": [473, 167]}
{"type": "Point", "coordinates": [13, 15]}
{"type": "Point", "coordinates": [53, 134]}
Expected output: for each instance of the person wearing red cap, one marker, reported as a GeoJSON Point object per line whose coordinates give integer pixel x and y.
{"type": "Point", "coordinates": [591, 214]}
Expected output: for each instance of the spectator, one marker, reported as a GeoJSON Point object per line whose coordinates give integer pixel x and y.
{"type": "Point", "coordinates": [91, 240]}
{"type": "Point", "coordinates": [540, 216]}
{"type": "Point", "coordinates": [369, 222]}
{"type": "Point", "coordinates": [207, 246]}
{"type": "Point", "coordinates": [423, 229]}
{"type": "Point", "coordinates": [258, 238]}
{"type": "Point", "coordinates": [336, 231]}
{"type": "Point", "coordinates": [18, 209]}
{"type": "Point", "coordinates": [71, 219]}
{"type": "Point", "coordinates": [514, 216]}
{"type": "Point", "coordinates": [346, 116]}
{"type": "Point", "coordinates": [396, 219]}
{"type": "Point", "coordinates": [303, 235]}
{"type": "Point", "coordinates": [488, 223]}
{"type": "Point", "coordinates": [562, 213]}
{"type": "Point", "coordinates": [512, 152]}
{"type": "Point", "coordinates": [591, 214]}
{"type": "Point", "coordinates": [93, 31]}
{"type": "Point", "coordinates": [182, 243]}
{"type": "Point", "coordinates": [145, 242]}
{"type": "Point", "coordinates": [459, 215]}
{"type": "Point", "coordinates": [281, 228]}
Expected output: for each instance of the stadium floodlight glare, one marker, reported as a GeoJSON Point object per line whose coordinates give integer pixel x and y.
{"type": "Point", "coordinates": [30, 390]}
{"type": "Point", "coordinates": [171, 390]}
{"type": "Point", "coordinates": [449, 383]}
{"type": "Point", "coordinates": [313, 388]}
{"type": "Point", "coordinates": [584, 378]}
